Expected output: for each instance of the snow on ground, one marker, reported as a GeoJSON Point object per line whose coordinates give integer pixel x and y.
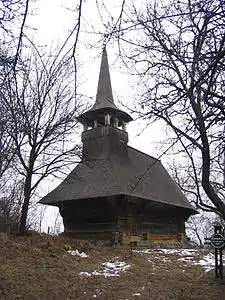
{"type": "Point", "coordinates": [188, 256]}
{"type": "Point", "coordinates": [207, 262]}
{"type": "Point", "coordinates": [77, 253]}
{"type": "Point", "coordinates": [137, 294]}
{"type": "Point", "coordinates": [168, 251]}
{"type": "Point", "coordinates": [181, 252]}
{"type": "Point", "coordinates": [109, 269]}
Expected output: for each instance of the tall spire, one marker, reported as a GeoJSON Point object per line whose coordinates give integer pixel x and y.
{"type": "Point", "coordinates": [104, 103]}
{"type": "Point", "coordinates": [104, 96]}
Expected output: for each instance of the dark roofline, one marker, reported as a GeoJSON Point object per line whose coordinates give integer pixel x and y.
{"type": "Point", "coordinates": [144, 153]}
{"type": "Point", "coordinates": [126, 195]}
{"type": "Point", "coordinates": [89, 116]}
{"type": "Point", "coordinates": [166, 203]}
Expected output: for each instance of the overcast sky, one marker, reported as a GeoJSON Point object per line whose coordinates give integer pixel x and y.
{"type": "Point", "coordinates": [52, 21]}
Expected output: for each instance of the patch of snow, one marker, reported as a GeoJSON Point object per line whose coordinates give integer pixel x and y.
{"type": "Point", "coordinates": [186, 259]}
{"type": "Point", "coordinates": [110, 269]}
{"type": "Point", "coordinates": [190, 256]}
{"type": "Point", "coordinates": [136, 294]}
{"type": "Point", "coordinates": [168, 251]}
{"type": "Point", "coordinates": [85, 274]}
{"type": "Point", "coordinates": [77, 253]}
{"type": "Point", "coordinates": [116, 266]}
{"type": "Point", "coordinates": [94, 296]}
{"type": "Point", "coordinates": [105, 273]}
{"type": "Point", "coordinates": [207, 262]}
{"type": "Point", "coordinates": [145, 251]}
{"type": "Point", "coordinates": [164, 259]}
{"type": "Point", "coordinates": [181, 252]}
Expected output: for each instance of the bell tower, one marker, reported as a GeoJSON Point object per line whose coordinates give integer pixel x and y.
{"type": "Point", "coordinates": [104, 125]}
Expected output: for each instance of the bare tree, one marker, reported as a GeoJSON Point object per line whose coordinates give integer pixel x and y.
{"type": "Point", "coordinates": [39, 103]}
{"type": "Point", "coordinates": [10, 206]}
{"type": "Point", "coordinates": [7, 150]}
{"type": "Point", "coordinates": [13, 15]}
{"type": "Point", "coordinates": [200, 227]}
{"type": "Point", "coordinates": [42, 108]}
{"type": "Point", "coordinates": [12, 12]}
{"type": "Point", "coordinates": [177, 48]}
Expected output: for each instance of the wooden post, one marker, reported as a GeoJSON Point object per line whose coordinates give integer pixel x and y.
{"type": "Point", "coordinates": [221, 263]}
{"type": "Point", "coordinates": [216, 264]}
{"type": "Point", "coordinates": [107, 120]}
{"type": "Point", "coordinates": [124, 126]}
{"type": "Point", "coordinates": [95, 123]}
{"type": "Point", "coordinates": [116, 122]}
{"type": "Point", "coordinates": [217, 240]}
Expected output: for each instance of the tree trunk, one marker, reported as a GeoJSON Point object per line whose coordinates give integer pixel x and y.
{"type": "Point", "coordinates": [24, 212]}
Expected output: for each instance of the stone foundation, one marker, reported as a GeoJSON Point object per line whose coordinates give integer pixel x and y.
{"type": "Point", "coordinates": [121, 238]}
{"type": "Point", "coordinates": [152, 240]}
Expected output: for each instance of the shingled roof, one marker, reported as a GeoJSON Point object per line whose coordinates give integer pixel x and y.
{"type": "Point", "coordinates": [118, 172]}
{"type": "Point", "coordinates": [139, 175]}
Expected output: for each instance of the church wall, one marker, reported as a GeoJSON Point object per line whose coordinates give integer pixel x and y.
{"type": "Point", "coordinates": [149, 218]}
{"type": "Point", "coordinates": [92, 218]}
{"type": "Point", "coordinates": [154, 224]}
{"type": "Point", "coordinates": [124, 220]}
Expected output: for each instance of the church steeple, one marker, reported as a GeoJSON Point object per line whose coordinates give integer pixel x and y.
{"type": "Point", "coordinates": [104, 96]}
{"type": "Point", "coordinates": [104, 111]}
{"type": "Point", "coordinates": [104, 124]}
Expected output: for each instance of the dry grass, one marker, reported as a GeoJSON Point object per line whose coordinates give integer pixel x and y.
{"type": "Point", "coordinates": [38, 267]}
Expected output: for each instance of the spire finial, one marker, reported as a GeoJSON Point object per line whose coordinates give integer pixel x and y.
{"type": "Point", "coordinates": [104, 96]}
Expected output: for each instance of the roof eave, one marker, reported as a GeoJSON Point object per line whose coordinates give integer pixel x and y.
{"type": "Point", "coordinates": [89, 115]}
{"type": "Point", "coordinates": [191, 209]}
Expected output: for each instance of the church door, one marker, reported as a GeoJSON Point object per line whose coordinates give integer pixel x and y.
{"type": "Point", "coordinates": [132, 219]}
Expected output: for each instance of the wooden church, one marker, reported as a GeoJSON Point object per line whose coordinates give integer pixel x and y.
{"type": "Point", "coordinates": [117, 193]}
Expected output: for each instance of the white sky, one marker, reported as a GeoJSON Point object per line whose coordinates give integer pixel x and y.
{"type": "Point", "coordinates": [52, 22]}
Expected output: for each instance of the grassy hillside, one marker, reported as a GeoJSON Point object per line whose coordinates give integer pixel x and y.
{"type": "Point", "coordinates": [40, 267]}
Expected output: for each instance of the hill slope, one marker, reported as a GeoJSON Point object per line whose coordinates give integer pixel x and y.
{"type": "Point", "coordinates": [40, 267]}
